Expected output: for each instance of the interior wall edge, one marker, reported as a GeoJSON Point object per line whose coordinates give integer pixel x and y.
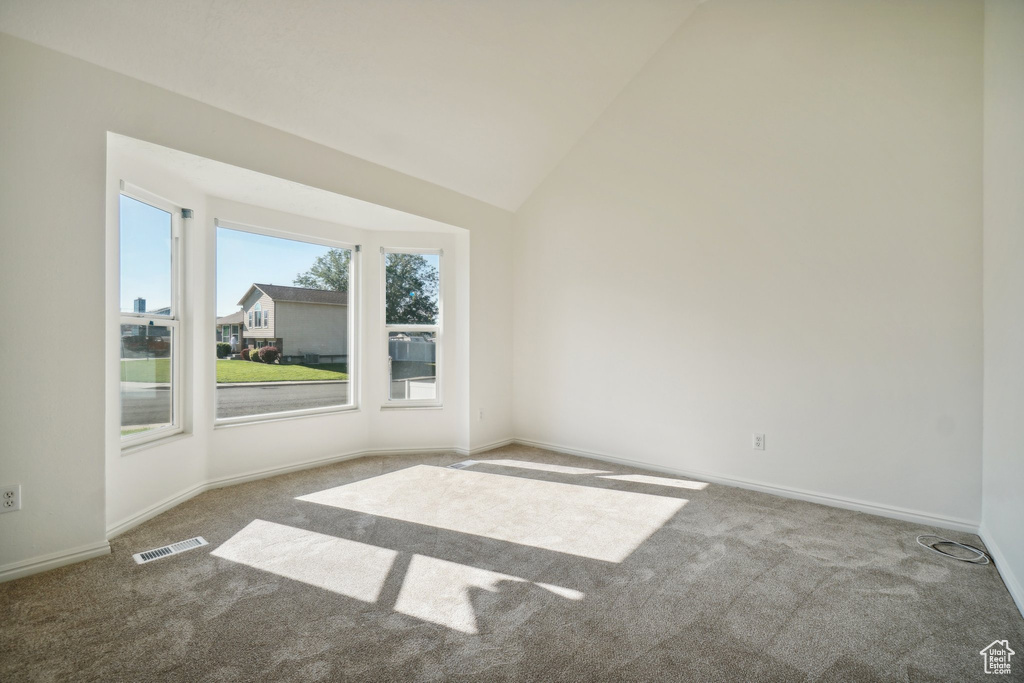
{"type": "Point", "coordinates": [166, 504]}
{"type": "Point", "coordinates": [1013, 584]}
{"type": "Point", "coordinates": [42, 563]}
{"type": "Point", "coordinates": [880, 509]}
{"type": "Point", "coordinates": [488, 447]}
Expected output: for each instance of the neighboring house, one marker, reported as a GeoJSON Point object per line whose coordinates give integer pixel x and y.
{"type": "Point", "coordinates": [300, 322]}
{"type": "Point", "coordinates": [229, 326]}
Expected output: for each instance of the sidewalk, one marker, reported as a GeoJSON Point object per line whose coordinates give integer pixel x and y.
{"type": "Point", "coordinates": [281, 384]}
{"type": "Point", "coordinates": [166, 385]}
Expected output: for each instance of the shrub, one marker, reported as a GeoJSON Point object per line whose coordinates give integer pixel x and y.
{"type": "Point", "coordinates": [254, 355]}
{"type": "Point", "coordinates": [223, 349]}
{"type": "Point", "coordinates": [269, 354]}
{"type": "Point", "coordinates": [245, 353]}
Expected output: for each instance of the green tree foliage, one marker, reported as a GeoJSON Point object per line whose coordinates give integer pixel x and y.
{"type": "Point", "coordinates": [410, 291]}
{"type": "Point", "coordinates": [329, 271]}
{"type": "Point", "coordinates": [410, 284]}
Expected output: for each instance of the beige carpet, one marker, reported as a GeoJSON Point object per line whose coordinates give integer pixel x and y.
{"type": "Point", "coordinates": [527, 565]}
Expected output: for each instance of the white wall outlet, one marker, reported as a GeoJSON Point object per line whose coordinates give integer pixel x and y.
{"type": "Point", "coordinates": [758, 442]}
{"type": "Point", "coordinates": [480, 414]}
{"type": "Point", "coordinates": [10, 498]}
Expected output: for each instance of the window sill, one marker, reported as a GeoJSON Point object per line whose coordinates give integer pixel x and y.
{"type": "Point", "coordinates": [162, 441]}
{"type": "Point", "coordinates": [280, 417]}
{"type": "Point", "coordinates": [420, 406]}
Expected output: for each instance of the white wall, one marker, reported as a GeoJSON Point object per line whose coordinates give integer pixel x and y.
{"type": "Point", "coordinates": [145, 480]}
{"type": "Point", "coordinates": [774, 228]}
{"type": "Point", "coordinates": [56, 113]}
{"type": "Point", "coordinates": [1003, 506]}
{"type": "Point", "coordinates": [236, 451]}
{"type": "Point", "coordinates": [138, 481]}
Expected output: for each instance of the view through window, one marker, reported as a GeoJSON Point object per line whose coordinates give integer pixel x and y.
{"type": "Point", "coordinates": [412, 287]}
{"type": "Point", "coordinates": [149, 327]}
{"type": "Point", "coordinates": [283, 325]}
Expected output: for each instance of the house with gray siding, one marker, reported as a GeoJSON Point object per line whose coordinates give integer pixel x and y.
{"type": "Point", "coordinates": [230, 327]}
{"type": "Point", "coordinates": [304, 324]}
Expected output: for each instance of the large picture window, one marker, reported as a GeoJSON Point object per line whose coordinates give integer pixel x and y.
{"type": "Point", "coordinates": [295, 300]}
{"type": "Point", "coordinates": [412, 325]}
{"type": "Point", "coordinates": [150, 233]}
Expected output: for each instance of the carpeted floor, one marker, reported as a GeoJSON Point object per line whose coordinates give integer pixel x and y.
{"type": "Point", "coordinates": [527, 565]}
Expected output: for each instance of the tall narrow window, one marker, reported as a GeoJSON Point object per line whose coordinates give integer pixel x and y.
{"type": "Point", "coordinates": [412, 325]}
{"type": "Point", "coordinates": [296, 355]}
{"type": "Point", "coordinates": [150, 321]}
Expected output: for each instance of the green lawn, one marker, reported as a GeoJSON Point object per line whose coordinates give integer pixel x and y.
{"type": "Point", "coordinates": [232, 371]}
{"type": "Point", "coordinates": [247, 371]}
{"type": "Point", "coordinates": [146, 370]}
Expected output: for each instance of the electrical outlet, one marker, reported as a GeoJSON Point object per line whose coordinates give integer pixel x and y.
{"type": "Point", "coordinates": [480, 415]}
{"type": "Point", "coordinates": [10, 498]}
{"type": "Point", "coordinates": [758, 442]}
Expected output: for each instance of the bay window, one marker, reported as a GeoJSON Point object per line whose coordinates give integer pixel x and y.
{"type": "Point", "coordinates": [150, 235]}
{"type": "Point", "coordinates": [412, 325]}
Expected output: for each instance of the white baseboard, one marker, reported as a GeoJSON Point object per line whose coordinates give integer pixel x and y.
{"type": "Point", "coordinates": [43, 563]}
{"type": "Point", "coordinates": [893, 512]}
{"type": "Point", "coordinates": [268, 472]}
{"type": "Point", "coordinates": [1013, 584]}
{"type": "Point", "coordinates": [489, 447]}
{"type": "Point", "coordinates": [154, 510]}
{"type": "Point", "coordinates": [177, 499]}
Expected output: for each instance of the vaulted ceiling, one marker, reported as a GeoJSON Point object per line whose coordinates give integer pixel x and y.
{"type": "Point", "coordinates": [480, 96]}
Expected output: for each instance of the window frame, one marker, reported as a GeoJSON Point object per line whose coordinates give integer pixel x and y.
{"type": "Point", "coordinates": [354, 297]}
{"type": "Point", "coordinates": [437, 329]}
{"type": "Point", "coordinates": [172, 321]}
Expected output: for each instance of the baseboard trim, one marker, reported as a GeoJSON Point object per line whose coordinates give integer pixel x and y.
{"type": "Point", "coordinates": [268, 472]}
{"type": "Point", "coordinates": [58, 559]}
{"type": "Point", "coordinates": [35, 565]}
{"type": "Point", "coordinates": [1010, 580]}
{"type": "Point", "coordinates": [154, 510]}
{"type": "Point", "coordinates": [489, 447]}
{"type": "Point", "coordinates": [265, 473]}
{"type": "Point", "coordinates": [892, 512]}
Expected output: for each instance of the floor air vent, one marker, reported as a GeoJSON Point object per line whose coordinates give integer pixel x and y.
{"type": "Point", "coordinates": [168, 550]}
{"type": "Point", "coordinates": [462, 465]}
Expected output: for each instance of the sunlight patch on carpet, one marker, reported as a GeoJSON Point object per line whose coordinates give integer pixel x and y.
{"type": "Point", "coordinates": [441, 592]}
{"type": "Point", "coordinates": [542, 467]}
{"type": "Point", "coordinates": [599, 523]}
{"type": "Point", "coordinates": [432, 589]}
{"type": "Point", "coordinates": [349, 568]}
{"type": "Point", "coordinates": [659, 481]}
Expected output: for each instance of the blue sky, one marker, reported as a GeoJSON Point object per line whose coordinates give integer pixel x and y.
{"type": "Point", "coordinates": [242, 259]}
{"type": "Point", "coordinates": [145, 255]}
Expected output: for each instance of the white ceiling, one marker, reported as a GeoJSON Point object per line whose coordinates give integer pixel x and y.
{"type": "Point", "coordinates": [480, 96]}
{"type": "Point", "coordinates": [217, 179]}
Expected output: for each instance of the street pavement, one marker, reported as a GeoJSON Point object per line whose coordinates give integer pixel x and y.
{"type": "Point", "coordinates": [151, 403]}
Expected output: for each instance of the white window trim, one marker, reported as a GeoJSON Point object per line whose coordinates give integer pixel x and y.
{"type": "Point", "coordinates": [172, 321]}
{"type": "Point", "coordinates": [354, 297]}
{"type": "Point", "coordinates": [400, 403]}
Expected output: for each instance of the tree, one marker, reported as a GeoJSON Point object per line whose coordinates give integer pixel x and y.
{"type": "Point", "coordinates": [410, 284]}
{"type": "Point", "coordinates": [329, 271]}
{"type": "Point", "coordinates": [410, 290]}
